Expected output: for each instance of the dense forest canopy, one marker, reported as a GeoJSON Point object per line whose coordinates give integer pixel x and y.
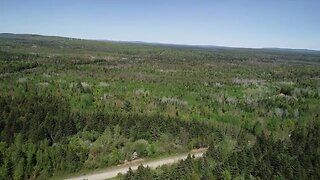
{"type": "Point", "coordinates": [70, 105]}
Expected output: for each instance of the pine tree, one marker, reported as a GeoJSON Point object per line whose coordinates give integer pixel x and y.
{"type": "Point", "coordinates": [4, 169]}
{"type": "Point", "coordinates": [19, 170]}
{"type": "Point", "coordinates": [129, 175]}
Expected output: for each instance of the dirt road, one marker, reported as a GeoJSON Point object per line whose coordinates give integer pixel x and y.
{"type": "Point", "coordinates": [113, 171]}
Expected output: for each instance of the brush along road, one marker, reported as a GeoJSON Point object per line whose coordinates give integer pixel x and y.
{"type": "Point", "coordinates": [113, 171]}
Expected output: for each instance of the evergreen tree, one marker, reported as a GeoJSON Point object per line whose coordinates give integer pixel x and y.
{"type": "Point", "coordinates": [129, 175]}
{"type": "Point", "coordinates": [19, 170]}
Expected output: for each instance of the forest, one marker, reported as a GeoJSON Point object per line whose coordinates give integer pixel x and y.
{"type": "Point", "coordinates": [71, 105]}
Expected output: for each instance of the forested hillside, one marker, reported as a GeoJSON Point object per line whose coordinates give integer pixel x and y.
{"type": "Point", "coordinates": [296, 158]}
{"type": "Point", "coordinates": [70, 105]}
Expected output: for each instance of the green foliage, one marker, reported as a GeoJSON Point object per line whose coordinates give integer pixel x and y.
{"type": "Point", "coordinates": [296, 158]}
{"type": "Point", "coordinates": [68, 105]}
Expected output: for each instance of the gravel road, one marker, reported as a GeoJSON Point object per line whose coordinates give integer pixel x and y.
{"type": "Point", "coordinates": [113, 171]}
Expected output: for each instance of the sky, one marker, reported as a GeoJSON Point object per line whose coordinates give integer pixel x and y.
{"type": "Point", "coordinates": [234, 23]}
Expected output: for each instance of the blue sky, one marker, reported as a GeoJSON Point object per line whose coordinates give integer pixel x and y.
{"type": "Point", "coordinates": [237, 23]}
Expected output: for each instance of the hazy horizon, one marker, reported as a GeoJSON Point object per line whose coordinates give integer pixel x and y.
{"type": "Point", "coordinates": [161, 43]}
{"type": "Point", "coordinates": [245, 24]}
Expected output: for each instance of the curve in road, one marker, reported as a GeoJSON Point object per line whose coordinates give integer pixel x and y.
{"type": "Point", "coordinates": [114, 171]}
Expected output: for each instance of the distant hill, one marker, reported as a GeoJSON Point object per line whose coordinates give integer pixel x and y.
{"type": "Point", "coordinates": [292, 50]}
{"type": "Point", "coordinates": [274, 50]}
{"type": "Point", "coordinates": [32, 38]}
